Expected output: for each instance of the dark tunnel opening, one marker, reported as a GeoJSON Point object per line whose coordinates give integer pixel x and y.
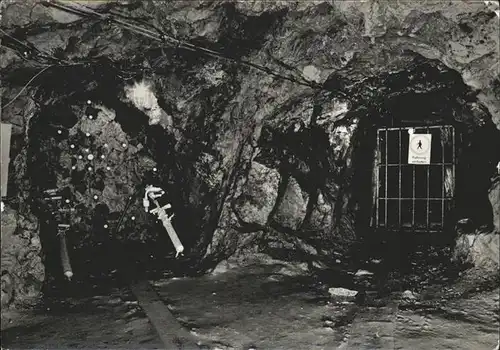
{"type": "Point", "coordinates": [448, 102]}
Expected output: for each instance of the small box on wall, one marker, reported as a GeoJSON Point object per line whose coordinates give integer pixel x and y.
{"type": "Point", "coordinates": [5, 156]}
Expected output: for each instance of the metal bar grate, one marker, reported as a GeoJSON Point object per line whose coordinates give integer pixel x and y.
{"type": "Point", "coordinates": [452, 190]}
{"type": "Point", "coordinates": [413, 201]}
{"type": "Point", "coordinates": [386, 174]}
{"type": "Point", "coordinates": [428, 193]}
{"type": "Point", "coordinates": [414, 197]}
{"type": "Point", "coordinates": [397, 165]}
{"type": "Point", "coordinates": [443, 173]}
{"type": "Point", "coordinates": [400, 144]}
{"type": "Point", "coordinates": [413, 127]}
{"type": "Point", "coordinates": [417, 199]}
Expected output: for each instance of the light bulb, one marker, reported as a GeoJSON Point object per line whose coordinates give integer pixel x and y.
{"type": "Point", "coordinates": [91, 117]}
{"type": "Point", "coordinates": [59, 132]}
{"type": "Point", "coordinates": [73, 167]}
{"type": "Point", "coordinates": [90, 157]}
{"type": "Point", "coordinates": [87, 134]}
{"type": "Point", "coordinates": [72, 146]}
{"type": "Point", "coordinates": [108, 168]}
{"type": "Point", "coordinates": [80, 157]}
{"type": "Point", "coordinates": [105, 226]}
{"type": "Point", "coordinates": [89, 102]}
{"type": "Point", "coordinates": [103, 156]}
{"type": "Point", "coordinates": [89, 168]}
{"type": "Point", "coordinates": [124, 144]}
{"type": "Point", "coordinates": [67, 200]}
{"type": "Point", "coordinates": [133, 217]}
{"type": "Point", "coordinates": [95, 197]}
{"type": "Point", "coordinates": [154, 169]}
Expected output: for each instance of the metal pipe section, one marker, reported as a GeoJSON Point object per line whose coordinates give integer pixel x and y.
{"type": "Point", "coordinates": [166, 220]}
{"type": "Point", "coordinates": [65, 261]}
{"type": "Point", "coordinates": [151, 194]}
{"type": "Point", "coordinates": [179, 248]}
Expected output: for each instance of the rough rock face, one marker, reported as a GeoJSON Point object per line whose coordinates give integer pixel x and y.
{"type": "Point", "coordinates": [247, 159]}
{"type": "Point", "coordinates": [292, 209]}
{"type": "Point", "coordinates": [96, 164]}
{"type": "Point", "coordinates": [258, 196]}
{"type": "Point", "coordinates": [23, 272]}
{"type": "Point", "coordinates": [494, 197]}
{"type": "Point", "coordinates": [479, 249]}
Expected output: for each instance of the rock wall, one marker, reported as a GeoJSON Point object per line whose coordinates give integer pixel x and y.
{"type": "Point", "coordinates": [22, 270]}
{"type": "Point", "coordinates": [477, 249]}
{"type": "Point", "coordinates": [494, 197]}
{"type": "Point", "coordinates": [280, 161]}
{"type": "Point", "coordinates": [480, 252]}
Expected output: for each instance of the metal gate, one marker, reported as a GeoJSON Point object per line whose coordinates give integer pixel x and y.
{"type": "Point", "coordinates": [410, 197]}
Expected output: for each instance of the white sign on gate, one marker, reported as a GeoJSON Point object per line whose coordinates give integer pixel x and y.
{"type": "Point", "coordinates": [419, 150]}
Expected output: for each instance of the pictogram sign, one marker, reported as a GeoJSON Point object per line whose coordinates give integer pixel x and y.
{"type": "Point", "coordinates": [419, 151]}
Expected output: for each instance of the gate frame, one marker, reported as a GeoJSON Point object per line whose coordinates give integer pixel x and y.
{"type": "Point", "coordinates": [444, 199]}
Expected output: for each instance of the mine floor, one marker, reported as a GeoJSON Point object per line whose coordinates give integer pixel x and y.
{"type": "Point", "coordinates": [269, 307]}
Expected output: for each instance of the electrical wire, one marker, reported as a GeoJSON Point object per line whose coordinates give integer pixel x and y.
{"type": "Point", "coordinates": [64, 7]}
{"type": "Point", "coordinates": [26, 86]}
{"type": "Point", "coordinates": [141, 21]}
{"type": "Point", "coordinates": [110, 17]}
{"type": "Point", "coordinates": [27, 47]}
{"type": "Point", "coordinates": [89, 12]}
{"type": "Point", "coordinates": [160, 37]}
{"type": "Point", "coordinates": [15, 51]}
{"type": "Point", "coordinates": [13, 38]}
{"type": "Point", "coordinates": [31, 47]}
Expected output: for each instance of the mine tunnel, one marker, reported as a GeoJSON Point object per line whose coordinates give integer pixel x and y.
{"type": "Point", "coordinates": [208, 176]}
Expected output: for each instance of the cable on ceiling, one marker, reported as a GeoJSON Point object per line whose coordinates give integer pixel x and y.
{"type": "Point", "coordinates": [167, 39]}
